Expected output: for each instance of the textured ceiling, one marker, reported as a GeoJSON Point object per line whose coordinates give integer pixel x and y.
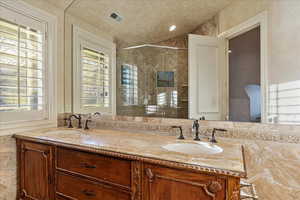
{"type": "Point", "coordinates": [60, 3]}
{"type": "Point", "coordinates": [146, 21]}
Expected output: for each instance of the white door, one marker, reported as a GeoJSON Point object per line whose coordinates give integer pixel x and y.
{"type": "Point", "coordinates": [207, 78]}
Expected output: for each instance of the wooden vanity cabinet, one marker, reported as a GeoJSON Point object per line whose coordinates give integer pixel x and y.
{"type": "Point", "coordinates": [35, 171]}
{"type": "Point", "coordinates": [51, 172]}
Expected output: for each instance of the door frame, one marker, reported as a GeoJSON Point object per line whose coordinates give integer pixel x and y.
{"type": "Point", "coordinates": [262, 21]}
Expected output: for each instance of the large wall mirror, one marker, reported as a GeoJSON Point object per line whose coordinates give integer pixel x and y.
{"type": "Point", "coordinates": [191, 59]}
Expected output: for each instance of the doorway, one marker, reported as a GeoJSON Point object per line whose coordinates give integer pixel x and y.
{"type": "Point", "coordinates": [245, 77]}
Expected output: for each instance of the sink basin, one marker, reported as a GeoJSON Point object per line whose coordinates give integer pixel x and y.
{"type": "Point", "coordinates": [64, 132]}
{"type": "Point", "coordinates": [194, 148]}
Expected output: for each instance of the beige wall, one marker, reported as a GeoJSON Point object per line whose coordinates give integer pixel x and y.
{"type": "Point", "coordinates": [284, 48]}
{"type": "Point", "coordinates": [283, 33]}
{"type": "Point", "coordinates": [240, 11]}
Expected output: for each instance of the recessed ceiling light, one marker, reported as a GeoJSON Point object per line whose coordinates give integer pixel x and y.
{"type": "Point", "coordinates": [172, 28]}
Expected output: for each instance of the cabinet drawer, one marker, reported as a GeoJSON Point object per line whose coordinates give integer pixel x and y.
{"type": "Point", "coordinates": [105, 168]}
{"type": "Point", "coordinates": [82, 189]}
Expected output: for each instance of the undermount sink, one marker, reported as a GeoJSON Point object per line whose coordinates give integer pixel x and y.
{"type": "Point", "coordinates": [194, 148]}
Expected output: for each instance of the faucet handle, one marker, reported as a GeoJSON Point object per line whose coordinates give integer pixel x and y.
{"type": "Point", "coordinates": [96, 114]}
{"type": "Point", "coordinates": [220, 129]}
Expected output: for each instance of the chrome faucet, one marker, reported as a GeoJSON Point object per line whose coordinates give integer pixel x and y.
{"type": "Point", "coordinates": [196, 128]}
{"type": "Point", "coordinates": [78, 117]}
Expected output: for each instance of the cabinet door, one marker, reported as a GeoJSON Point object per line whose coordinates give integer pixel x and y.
{"type": "Point", "coordinates": [162, 183]}
{"type": "Point", "coordinates": [36, 169]}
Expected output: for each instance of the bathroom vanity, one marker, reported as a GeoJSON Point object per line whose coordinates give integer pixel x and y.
{"type": "Point", "coordinates": [66, 164]}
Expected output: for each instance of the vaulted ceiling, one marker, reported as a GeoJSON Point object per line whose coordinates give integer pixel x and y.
{"type": "Point", "coordinates": [145, 21]}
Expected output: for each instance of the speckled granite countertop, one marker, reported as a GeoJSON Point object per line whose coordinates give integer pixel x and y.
{"type": "Point", "coordinates": [144, 146]}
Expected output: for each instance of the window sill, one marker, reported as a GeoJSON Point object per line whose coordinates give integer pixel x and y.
{"type": "Point", "coordinates": [12, 128]}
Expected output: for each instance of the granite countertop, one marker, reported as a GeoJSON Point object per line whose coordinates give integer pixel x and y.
{"type": "Point", "coordinates": [144, 146]}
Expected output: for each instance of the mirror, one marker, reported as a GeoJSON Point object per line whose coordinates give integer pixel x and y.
{"type": "Point", "coordinates": [193, 59]}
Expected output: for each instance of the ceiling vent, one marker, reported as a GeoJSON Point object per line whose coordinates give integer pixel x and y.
{"type": "Point", "coordinates": [116, 17]}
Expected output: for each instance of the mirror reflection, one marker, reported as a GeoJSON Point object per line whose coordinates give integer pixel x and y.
{"type": "Point", "coordinates": [192, 59]}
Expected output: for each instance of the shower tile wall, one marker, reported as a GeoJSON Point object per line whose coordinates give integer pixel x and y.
{"type": "Point", "coordinates": [148, 61]}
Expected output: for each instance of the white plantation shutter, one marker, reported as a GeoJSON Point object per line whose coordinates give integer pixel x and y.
{"type": "Point", "coordinates": [129, 81]}
{"type": "Point", "coordinates": [94, 69]}
{"type": "Point", "coordinates": [95, 79]}
{"type": "Point", "coordinates": [22, 69]}
{"type": "Point", "coordinates": [284, 103]}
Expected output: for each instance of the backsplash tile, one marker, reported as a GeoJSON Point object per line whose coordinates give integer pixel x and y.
{"type": "Point", "coordinates": [8, 168]}
{"type": "Point", "coordinates": [238, 130]}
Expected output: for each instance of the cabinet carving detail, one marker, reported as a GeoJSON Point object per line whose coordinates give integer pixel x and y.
{"type": "Point", "coordinates": [23, 193]}
{"type": "Point", "coordinates": [25, 149]}
{"type": "Point", "coordinates": [235, 194]}
{"type": "Point", "coordinates": [214, 187]}
{"type": "Point", "coordinates": [150, 175]}
{"type": "Point", "coordinates": [136, 180]}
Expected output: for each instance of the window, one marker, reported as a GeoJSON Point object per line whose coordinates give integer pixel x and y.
{"type": "Point", "coordinates": [21, 68]}
{"type": "Point", "coordinates": [129, 81]}
{"type": "Point", "coordinates": [284, 103]}
{"type": "Point", "coordinates": [23, 83]}
{"type": "Point", "coordinates": [167, 99]}
{"type": "Point", "coordinates": [93, 73]}
{"type": "Point", "coordinates": [162, 99]}
{"type": "Point", "coordinates": [174, 101]}
{"type": "Point", "coordinates": [95, 77]}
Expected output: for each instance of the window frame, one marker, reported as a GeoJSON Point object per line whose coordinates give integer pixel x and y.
{"type": "Point", "coordinates": [50, 87]}
{"type": "Point", "coordinates": [84, 39]}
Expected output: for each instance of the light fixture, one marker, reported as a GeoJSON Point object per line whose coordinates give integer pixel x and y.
{"type": "Point", "coordinates": [172, 28]}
